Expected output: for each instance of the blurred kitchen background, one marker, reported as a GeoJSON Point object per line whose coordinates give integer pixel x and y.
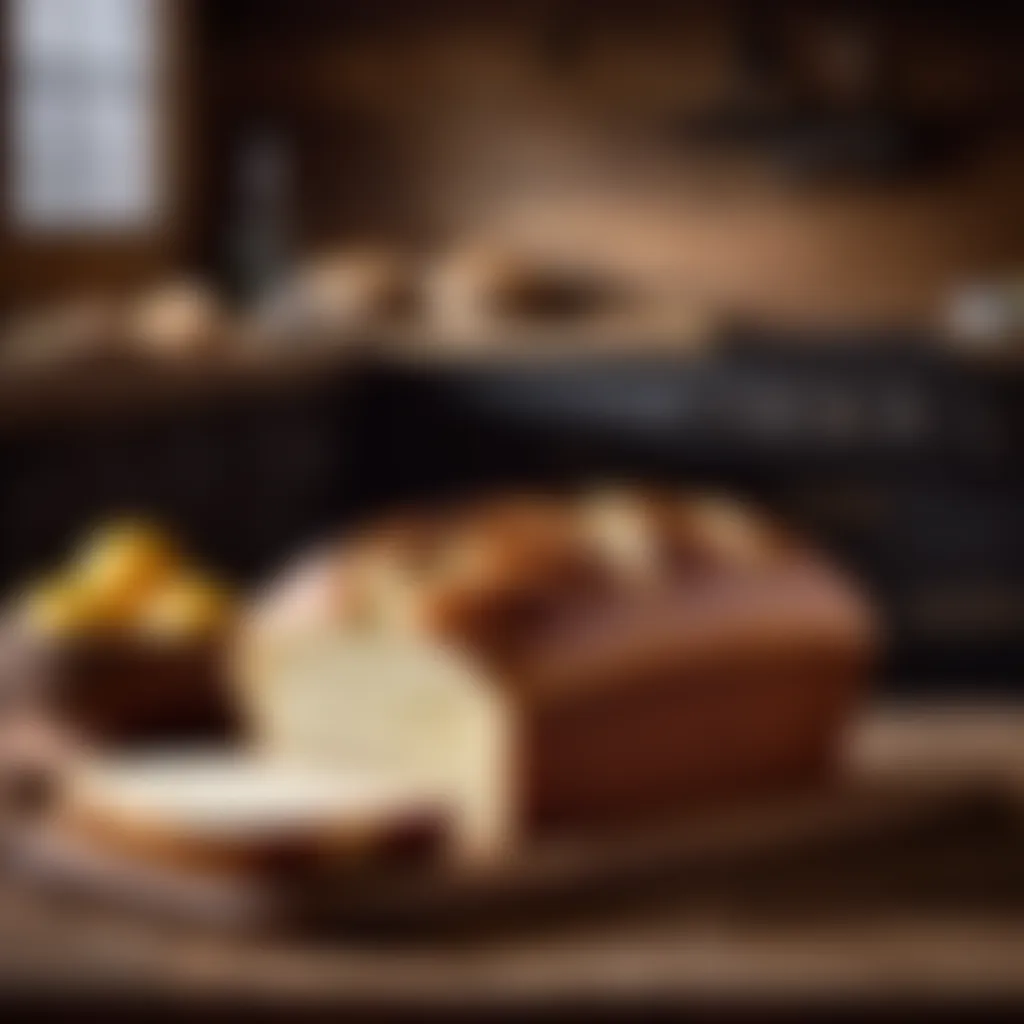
{"type": "Point", "coordinates": [434, 246]}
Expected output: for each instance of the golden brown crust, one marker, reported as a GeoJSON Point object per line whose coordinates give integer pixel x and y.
{"type": "Point", "coordinates": [452, 572]}
{"type": "Point", "coordinates": [522, 579]}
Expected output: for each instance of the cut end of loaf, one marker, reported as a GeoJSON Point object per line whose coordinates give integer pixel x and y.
{"type": "Point", "coordinates": [404, 710]}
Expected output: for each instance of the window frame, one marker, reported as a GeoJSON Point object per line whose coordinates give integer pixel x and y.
{"type": "Point", "coordinates": [35, 266]}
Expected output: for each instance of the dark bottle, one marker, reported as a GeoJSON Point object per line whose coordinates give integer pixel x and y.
{"type": "Point", "coordinates": [260, 240]}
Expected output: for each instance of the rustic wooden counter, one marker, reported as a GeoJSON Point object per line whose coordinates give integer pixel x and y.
{"type": "Point", "coordinates": [933, 912]}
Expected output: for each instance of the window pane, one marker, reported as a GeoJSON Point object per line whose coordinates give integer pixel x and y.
{"type": "Point", "coordinates": [43, 30]}
{"type": "Point", "coordinates": [84, 132]}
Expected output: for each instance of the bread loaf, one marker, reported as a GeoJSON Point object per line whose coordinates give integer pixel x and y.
{"type": "Point", "coordinates": [177, 320]}
{"type": "Point", "coordinates": [561, 663]}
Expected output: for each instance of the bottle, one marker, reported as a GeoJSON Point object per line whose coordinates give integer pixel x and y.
{"type": "Point", "coordinates": [260, 243]}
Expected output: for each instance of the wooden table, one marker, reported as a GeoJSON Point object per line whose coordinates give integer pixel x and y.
{"type": "Point", "coordinates": [929, 914]}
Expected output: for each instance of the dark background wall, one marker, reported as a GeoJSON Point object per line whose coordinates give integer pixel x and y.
{"type": "Point", "coordinates": [557, 126]}
{"type": "Point", "coordinates": [560, 127]}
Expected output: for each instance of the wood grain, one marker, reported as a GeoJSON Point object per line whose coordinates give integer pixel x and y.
{"type": "Point", "coordinates": [929, 908]}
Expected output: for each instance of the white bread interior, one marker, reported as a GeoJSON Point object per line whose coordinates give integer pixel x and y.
{"type": "Point", "coordinates": [398, 709]}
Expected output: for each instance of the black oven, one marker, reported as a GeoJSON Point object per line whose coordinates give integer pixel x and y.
{"type": "Point", "coordinates": [903, 461]}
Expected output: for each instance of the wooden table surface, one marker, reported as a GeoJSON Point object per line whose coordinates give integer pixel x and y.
{"type": "Point", "coordinates": [931, 915]}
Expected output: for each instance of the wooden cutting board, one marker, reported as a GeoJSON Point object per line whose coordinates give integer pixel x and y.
{"type": "Point", "coordinates": [704, 850]}
{"type": "Point", "coordinates": [905, 885]}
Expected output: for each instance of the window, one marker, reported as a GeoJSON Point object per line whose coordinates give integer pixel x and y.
{"type": "Point", "coordinates": [83, 114]}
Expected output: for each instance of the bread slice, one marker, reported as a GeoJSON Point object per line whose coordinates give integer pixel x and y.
{"type": "Point", "coordinates": [224, 812]}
